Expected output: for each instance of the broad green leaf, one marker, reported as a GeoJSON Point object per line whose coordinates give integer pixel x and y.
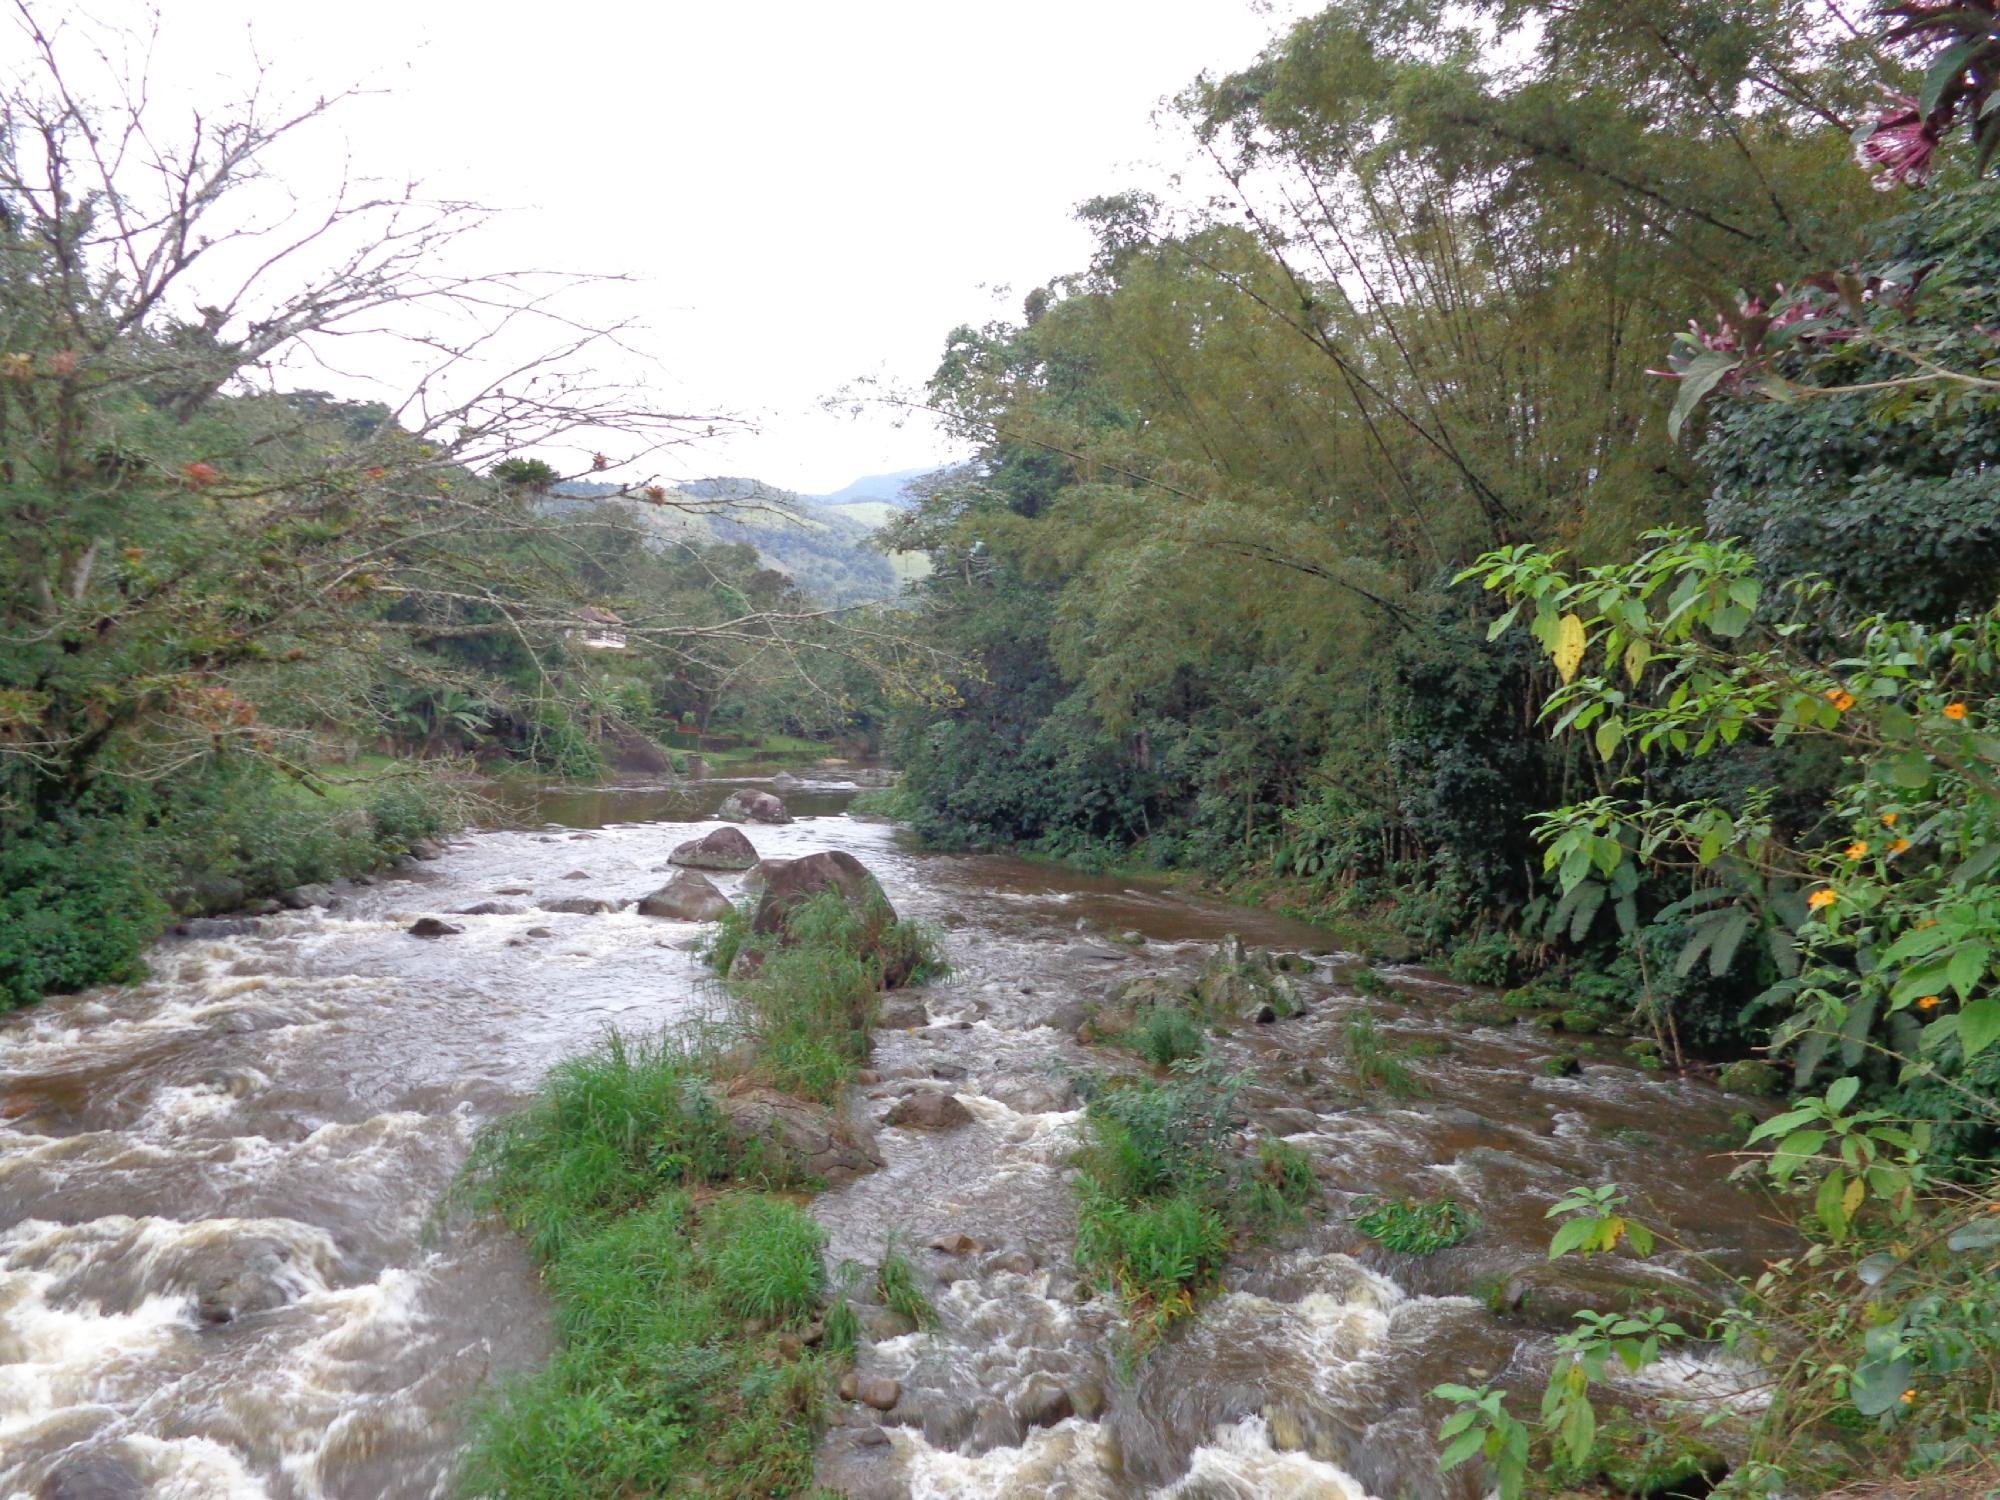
{"type": "Point", "coordinates": [1877, 1385]}
{"type": "Point", "coordinates": [1697, 380]}
{"type": "Point", "coordinates": [1978, 1026]}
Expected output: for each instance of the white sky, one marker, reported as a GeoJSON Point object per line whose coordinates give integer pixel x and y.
{"type": "Point", "coordinates": [808, 192]}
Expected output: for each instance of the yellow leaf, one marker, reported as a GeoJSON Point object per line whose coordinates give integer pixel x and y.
{"type": "Point", "coordinates": [1569, 647]}
{"type": "Point", "coordinates": [1851, 1199]}
{"type": "Point", "coordinates": [1636, 656]}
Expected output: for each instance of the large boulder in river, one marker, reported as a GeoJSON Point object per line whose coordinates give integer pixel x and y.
{"type": "Point", "coordinates": [790, 1140]}
{"type": "Point", "coordinates": [789, 883]}
{"type": "Point", "coordinates": [747, 806]}
{"type": "Point", "coordinates": [688, 897]}
{"type": "Point", "coordinates": [724, 849]}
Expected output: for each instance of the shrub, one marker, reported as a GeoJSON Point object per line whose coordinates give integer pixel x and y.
{"type": "Point", "coordinates": [1157, 1252]}
{"type": "Point", "coordinates": [1485, 960]}
{"type": "Point", "coordinates": [1411, 1227]}
{"type": "Point", "coordinates": [74, 911]}
{"type": "Point", "coordinates": [1281, 1184]}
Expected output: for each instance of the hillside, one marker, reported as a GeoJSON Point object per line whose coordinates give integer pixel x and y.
{"type": "Point", "coordinates": [821, 541]}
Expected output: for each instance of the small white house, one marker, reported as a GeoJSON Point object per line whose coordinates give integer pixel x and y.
{"type": "Point", "coordinates": [600, 629]}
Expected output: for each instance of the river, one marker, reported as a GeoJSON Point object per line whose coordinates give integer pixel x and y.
{"type": "Point", "coordinates": [221, 1273]}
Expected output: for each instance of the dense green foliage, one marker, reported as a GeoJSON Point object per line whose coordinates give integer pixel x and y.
{"type": "Point", "coordinates": [660, 1381]}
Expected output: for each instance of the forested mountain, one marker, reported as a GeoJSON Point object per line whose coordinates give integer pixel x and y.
{"type": "Point", "coordinates": [825, 544]}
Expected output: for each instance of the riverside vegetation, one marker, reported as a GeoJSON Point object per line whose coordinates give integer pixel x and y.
{"type": "Point", "coordinates": [1358, 541]}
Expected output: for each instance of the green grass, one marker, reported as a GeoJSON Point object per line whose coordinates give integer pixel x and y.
{"type": "Point", "coordinates": [885, 802]}
{"type": "Point", "coordinates": [1375, 1067]}
{"type": "Point", "coordinates": [809, 1006]}
{"type": "Point", "coordinates": [669, 1379]}
{"type": "Point", "coordinates": [1166, 1035]}
{"type": "Point", "coordinates": [897, 1285]}
{"type": "Point", "coordinates": [680, 1293]}
{"type": "Point", "coordinates": [1162, 1199]}
{"type": "Point", "coordinates": [1412, 1227]}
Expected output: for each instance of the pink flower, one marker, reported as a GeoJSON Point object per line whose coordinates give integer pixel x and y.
{"type": "Point", "coordinates": [1900, 146]}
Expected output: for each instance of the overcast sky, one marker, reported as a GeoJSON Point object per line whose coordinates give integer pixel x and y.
{"type": "Point", "coordinates": [807, 192]}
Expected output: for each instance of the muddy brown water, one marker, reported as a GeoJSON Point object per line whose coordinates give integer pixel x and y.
{"type": "Point", "coordinates": [216, 1280]}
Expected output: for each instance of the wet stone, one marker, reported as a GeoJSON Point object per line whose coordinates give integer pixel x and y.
{"type": "Point", "coordinates": [929, 1109]}
{"type": "Point", "coordinates": [1044, 1403]}
{"type": "Point", "coordinates": [996, 1427]}
{"type": "Point", "coordinates": [577, 875]}
{"type": "Point", "coordinates": [956, 1244]}
{"type": "Point", "coordinates": [1011, 1262]}
{"type": "Point", "coordinates": [881, 1392]}
{"type": "Point", "coordinates": [688, 897]}
{"type": "Point", "coordinates": [91, 1476]}
{"type": "Point", "coordinates": [902, 1014]}
{"type": "Point", "coordinates": [724, 849]}
{"type": "Point", "coordinates": [432, 927]}
{"type": "Point", "coordinates": [584, 906]}
{"type": "Point", "coordinates": [882, 1324]}
{"type": "Point", "coordinates": [489, 909]}
{"type": "Point", "coordinates": [746, 806]}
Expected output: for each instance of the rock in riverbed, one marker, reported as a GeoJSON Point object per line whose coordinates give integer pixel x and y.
{"type": "Point", "coordinates": [688, 897]}
{"type": "Point", "coordinates": [747, 806]}
{"type": "Point", "coordinates": [586, 906]}
{"type": "Point", "coordinates": [794, 1139]}
{"type": "Point", "coordinates": [432, 927]}
{"type": "Point", "coordinates": [929, 1109]}
{"type": "Point", "coordinates": [724, 849]}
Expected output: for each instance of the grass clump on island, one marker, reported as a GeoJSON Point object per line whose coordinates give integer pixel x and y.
{"type": "Point", "coordinates": [699, 1335]}
{"type": "Point", "coordinates": [809, 1006]}
{"type": "Point", "coordinates": [1412, 1226]}
{"type": "Point", "coordinates": [1163, 1200]}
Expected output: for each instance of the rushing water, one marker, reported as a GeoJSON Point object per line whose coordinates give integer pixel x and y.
{"type": "Point", "coordinates": [219, 1274]}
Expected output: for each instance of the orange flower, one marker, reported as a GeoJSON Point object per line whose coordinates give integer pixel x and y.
{"type": "Point", "coordinates": [1821, 898]}
{"type": "Point", "coordinates": [1857, 850]}
{"type": "Point", "coordinates": [1889, 819]}
{"type": "Point", "coordinates": [1910, 1396]}
{"type": "Point", "coordinates": [1899, 846]}
{"type": "Point", "coordinates": [200, 476]}
{"type": "Point", "coordinates": [1954, 711]}
{"type": "Point", "coordinates": [1840, 698]}
{"type": "Point", "coordinates": [1927, 1003]}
